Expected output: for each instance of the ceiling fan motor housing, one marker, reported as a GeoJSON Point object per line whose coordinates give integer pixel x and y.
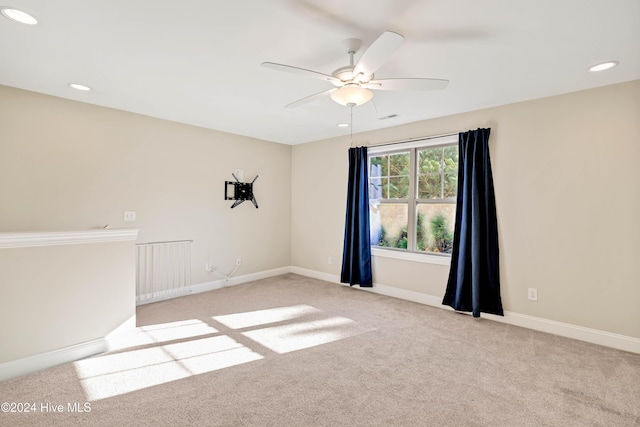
{"type": "Point", "coordinates": [345, 74]}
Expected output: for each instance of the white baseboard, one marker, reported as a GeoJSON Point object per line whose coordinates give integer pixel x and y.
{"type": "Point", "coordinates": [594, 336]}
{"type": "Point", "coordinates": [327, 277]}
{"type": "Point", "coordinates": [219, 284]}
{"type": "Point", "coordinates": [38, 362]}
{"type": "Point", "coordinates": [161, 296]}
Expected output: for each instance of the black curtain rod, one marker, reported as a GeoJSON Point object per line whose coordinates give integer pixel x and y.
{"type": "Point", "coordinates": [426, 138]}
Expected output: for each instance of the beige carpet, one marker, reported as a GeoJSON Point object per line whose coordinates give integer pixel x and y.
{"type": "Point", "coordinates": [294, 351]}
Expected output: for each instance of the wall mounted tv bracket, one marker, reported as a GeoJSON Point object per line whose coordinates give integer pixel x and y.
{"type": "Point", "coordinates": [242, 191]}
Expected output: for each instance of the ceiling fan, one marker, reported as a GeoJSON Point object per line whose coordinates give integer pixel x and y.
{"type": "Point", "coordinates": [354, 82]}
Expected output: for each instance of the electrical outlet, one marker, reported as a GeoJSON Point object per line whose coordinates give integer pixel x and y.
{"type": "Point", "coordinates": [238, 261]}
{"type": "Point", "coordinates": [129, 216]}
{"type": "Point", "coordinates": [532, 294]}
{"type": "Point", "coordinates": [330, 260]}
{"type": "Point", "coordinates": [208, 267]}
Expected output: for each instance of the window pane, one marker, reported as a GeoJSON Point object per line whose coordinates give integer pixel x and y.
{"type": "Point", "coordinates": [450, 184]}
{"type": "Point", "coordinates": [435, 223]}
{"type": "Point", "coordinates": [451, 159]}
{"type": "Point", "coordinates": [399, 187]}
{"type": "Point", "coordinates": [378, 188]}
{"type": "Point", "coordinates": [375, 188]}
{"type": "Point", "coordinates": [389, 224]}
{"type": "Point", "coordinates": [378, 166]}
{"type": "Point", "coordinates": [429, 187]}
{"type": "Point", "coordinates": [399, 164]}
{"type": "Point", "coordinates": [429, 160]}
{"type": "Point", "coordinates": [434, 181]}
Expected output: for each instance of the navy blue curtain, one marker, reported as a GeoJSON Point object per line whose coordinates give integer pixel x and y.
{"type": "Point", "coordinates": [474, 277]}
{"type": "Point", "coordinates": [356, 254]}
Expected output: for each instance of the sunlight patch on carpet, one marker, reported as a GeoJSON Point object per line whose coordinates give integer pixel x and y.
{"type": "Point", "coordinates": [162, 332]}
{"type": "Point", "coordinates": [116, 374]}
{"type": "Point", "coordinates": [177, 330]}
{"type": "Point", "coordinates": [146, 358]}
{"type": "Point", "coordinates": [264, 317]}
{"type": "Point", "coordinates": [298, 336]}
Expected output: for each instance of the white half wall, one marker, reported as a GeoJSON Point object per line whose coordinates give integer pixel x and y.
{"type": "Point", "coordinates": [73, 292]}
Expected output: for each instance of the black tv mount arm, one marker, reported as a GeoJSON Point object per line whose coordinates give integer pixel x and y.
{"type": "Point", "coordinates": [242, 191]}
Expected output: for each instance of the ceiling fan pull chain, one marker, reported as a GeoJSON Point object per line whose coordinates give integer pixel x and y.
{"type": "Point", "coordinates": [351, 124]}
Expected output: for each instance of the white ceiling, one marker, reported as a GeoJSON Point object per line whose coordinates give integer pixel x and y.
{"type": "Point", "coordinates": [198, 62]}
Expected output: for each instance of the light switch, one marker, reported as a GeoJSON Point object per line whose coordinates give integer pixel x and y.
{"type": "Point", "coordinates": [129, 216]}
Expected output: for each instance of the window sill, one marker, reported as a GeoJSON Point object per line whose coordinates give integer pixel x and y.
{"type": "Point", "coordinates": [411, 256]}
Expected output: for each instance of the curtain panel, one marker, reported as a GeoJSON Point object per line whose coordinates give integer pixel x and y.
{"type": "Point", "coordinates": [474, 277]}
{"type": "Point", "coordinates": [356, 254]}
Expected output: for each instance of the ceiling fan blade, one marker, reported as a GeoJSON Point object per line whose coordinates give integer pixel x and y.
{"type": "Point", "coordinates": [406, 84]}
{"type": "Point", "coordinates": [378, 53]}
{"type": "Point", "coordinates": [333, 18]}
{"type": "Point", "coordinates": [310, 98]}
{"type": "Point", "coordinates": [301, 72]}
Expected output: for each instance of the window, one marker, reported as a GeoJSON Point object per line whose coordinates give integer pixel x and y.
{"type": "Point", "coordinates": [412, 195]}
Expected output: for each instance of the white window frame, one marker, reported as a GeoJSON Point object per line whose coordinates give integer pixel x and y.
{"type": "Point", "coordinates": [409, 255]}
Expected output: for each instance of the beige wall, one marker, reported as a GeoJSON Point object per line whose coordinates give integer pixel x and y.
{"type": "Point", "coordinates": [58, 296]}
{"type": "Point", "coordinates": [567, 185]}
{"type": "Point", "coordinates": [66, 165]}
{"type": "Point", "coordinates": [565, 170]}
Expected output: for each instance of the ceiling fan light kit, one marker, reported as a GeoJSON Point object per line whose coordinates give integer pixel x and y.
{"type": "Point", "coordinates": [351, 95]}
{"type": "Point", "coordinates": [355, 81]}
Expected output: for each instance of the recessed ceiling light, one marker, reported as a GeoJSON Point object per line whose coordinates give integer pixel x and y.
{"type": "Point", "coordinates": [604, 66]}
{"type": "Point", "coordinates": [79, 86]}
{"type": "Point", "coordinates": [18, 16]}
{"type": "Point", "coordinates": [343, 125]}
